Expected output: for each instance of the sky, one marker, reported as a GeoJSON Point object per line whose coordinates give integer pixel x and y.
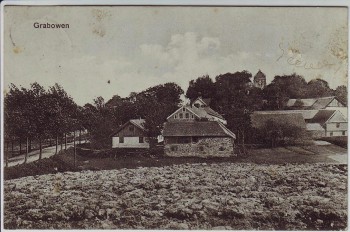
{"type": "Point", "coordinates": [116, 50]}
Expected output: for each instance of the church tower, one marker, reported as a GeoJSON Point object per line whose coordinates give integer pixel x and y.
{"type": "Point", "coordinates": [260, 80]}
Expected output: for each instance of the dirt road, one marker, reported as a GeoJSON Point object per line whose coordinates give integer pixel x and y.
{"type": "Point", "coordinates": [34, 155]}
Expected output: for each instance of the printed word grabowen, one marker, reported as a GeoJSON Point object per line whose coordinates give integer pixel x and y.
{"type": "Point", "coordinates": [50, 25]}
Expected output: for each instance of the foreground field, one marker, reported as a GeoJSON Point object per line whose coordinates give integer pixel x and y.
{"type": "Point", "coordinates": [187, 196]}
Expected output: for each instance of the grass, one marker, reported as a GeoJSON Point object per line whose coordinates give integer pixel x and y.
{"type": "Point", "coordinates": [112, 159]}
{"type": "Point", "coordinates": [341, 141]}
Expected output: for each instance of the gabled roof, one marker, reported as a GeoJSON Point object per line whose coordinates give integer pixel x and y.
{"type": "Point", "coordinates": [322, 116]}
{"type": "Point", "coordinates": [136, 122]}
{"type": "Point", "coordinates": [314, 127]}
{"type": "Point", "coordinates": [201, 112]}
{"type": "Point", "coordinates": [212, 112]}
{"type": "Point", "coordinates": [307, 114]}
{"type": "Point", "coordinates": [205, 101]}
{"type": "Point", "coordinates": [260, 118]}
{"type": "Point", "coordinates": [313, 103]}
{"type": "Point", "coordinates": [200, 129]}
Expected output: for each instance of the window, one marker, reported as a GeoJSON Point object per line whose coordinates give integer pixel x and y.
{"type": "Point", "coordinates": [192, 116]}
{"type": "Point", "coordinates": [171, 140]}
{"type": "Point", "coordinates": [140, 139]}
{"type": "Point", "coordinates": [175, 116]}
{"type": "Point", "coordinates": [184, 139]}
{"type": "Point", "coordinates": [181, 115]}
{"type": "Point", "coordinates": [331, 134]}
{"type": "Point", "coordinates": [197, 105]}
{"type": "Point", "coordinates": [338, 125]}
{"type": "Point", "coordinates": [187, 115]}
{"type": "Point", "coordinates": [131, 128]}
{"type": "Point", "coordinates": [183, 109]}
{"type": "Point", "coordinates": [121, 139]}
{"type": "Point", "coordinates": [343, 133]}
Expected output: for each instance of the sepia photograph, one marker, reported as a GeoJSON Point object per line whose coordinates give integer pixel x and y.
{"type": "Point", "coordinates": [174, 117]}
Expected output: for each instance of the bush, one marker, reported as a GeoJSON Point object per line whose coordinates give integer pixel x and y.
{"type": "Point", "coordinates": [276, 133]}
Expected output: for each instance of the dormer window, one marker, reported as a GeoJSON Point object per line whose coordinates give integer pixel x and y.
{"type": "Point", "coordinates": [197, 105]}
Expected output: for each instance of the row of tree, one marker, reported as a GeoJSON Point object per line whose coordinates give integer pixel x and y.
{"type": "Point", "coordinates": [38, 114]}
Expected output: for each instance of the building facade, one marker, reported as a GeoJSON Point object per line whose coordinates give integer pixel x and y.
{"type": "Point", "coordinates": [131, 135]}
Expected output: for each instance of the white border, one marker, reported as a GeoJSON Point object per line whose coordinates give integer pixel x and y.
{"type": "Point", "coordinates": [261, 3]}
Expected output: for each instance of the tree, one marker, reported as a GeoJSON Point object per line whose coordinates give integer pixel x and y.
{"type": "Point", "coordinates": [341, 92]}
{"type": "Point", "coordinates": [201, 87]}
{"type": "Point", "coordinates": [283, 88]}
{"type": "Point", "coordinates": [318, 88]}
{"type": "Point", "coordinates": [277, 133]}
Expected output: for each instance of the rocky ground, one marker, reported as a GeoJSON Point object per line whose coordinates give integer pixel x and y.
{"type": "Point", "coordinates": [187, 196]}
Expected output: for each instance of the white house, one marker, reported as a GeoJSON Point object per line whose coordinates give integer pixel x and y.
{"type": "Point", "coordinates": [131, 135]}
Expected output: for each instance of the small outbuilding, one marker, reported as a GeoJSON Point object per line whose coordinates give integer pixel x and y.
{"type": "Point", "coordinates": [131, 135]}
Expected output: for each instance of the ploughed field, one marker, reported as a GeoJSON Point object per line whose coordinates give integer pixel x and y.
{"type": "Point", "coordinates": [186, 196]}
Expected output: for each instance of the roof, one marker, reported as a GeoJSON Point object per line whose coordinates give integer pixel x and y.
{"type": "Point", "coordinates": [205, 101]}
{"type": "Point", "coordinates": [322, 116]}
{"type": "Point", "coordinates": [260, 118]}
{"type": "Point", "coordinates": [212, 112]}
{"type": "Point", "coordinates": [313, 103]}
{"type": "Point", "coordinates": [307, 114]}
{"type": "Point", "coordinates": [201, 112]}
{"type": "Point", "coordinates": [259, 75]}
{"type": "Point", "coordinates": [314, 127]}
{"type": "Point", "coordinates": [201, 129]}
{"type": "Point", "coordinates": [137, 122]}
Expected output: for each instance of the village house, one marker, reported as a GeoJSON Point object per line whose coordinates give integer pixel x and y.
{"type": "Point", "coordinates": [131, 135]}
{"type": "Point", "coordinates": [197, 130]}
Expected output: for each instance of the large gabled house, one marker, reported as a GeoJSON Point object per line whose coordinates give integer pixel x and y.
{"type": "Point", "coordinates": [131, 134]}
{"type": "Point", "coordinates": [197, 130]}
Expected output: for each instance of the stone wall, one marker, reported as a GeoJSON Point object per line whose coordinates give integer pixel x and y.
{"type": "Point", "coordinates": [205, 147]}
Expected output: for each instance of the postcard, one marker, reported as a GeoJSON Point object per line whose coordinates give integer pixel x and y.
{"type": "Point", "coordinates": [174, 116]}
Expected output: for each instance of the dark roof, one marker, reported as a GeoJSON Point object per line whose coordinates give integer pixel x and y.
{"type": "Point", "coordinates": [201, 129]}
{"type": "Point", "coordinates": [207, 101]}
{"type": "Point", "coordinates": [212, 112]}
{"type": "Point", "coordinates": [137, 122]}
{"type": "Point", "coordinates": [259, 119]}
{"type": "Point", "coordinates": [322, 116]}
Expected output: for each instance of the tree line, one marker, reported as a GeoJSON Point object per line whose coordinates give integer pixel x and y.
{"type": "Point", "coordinates": [38, 113]}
